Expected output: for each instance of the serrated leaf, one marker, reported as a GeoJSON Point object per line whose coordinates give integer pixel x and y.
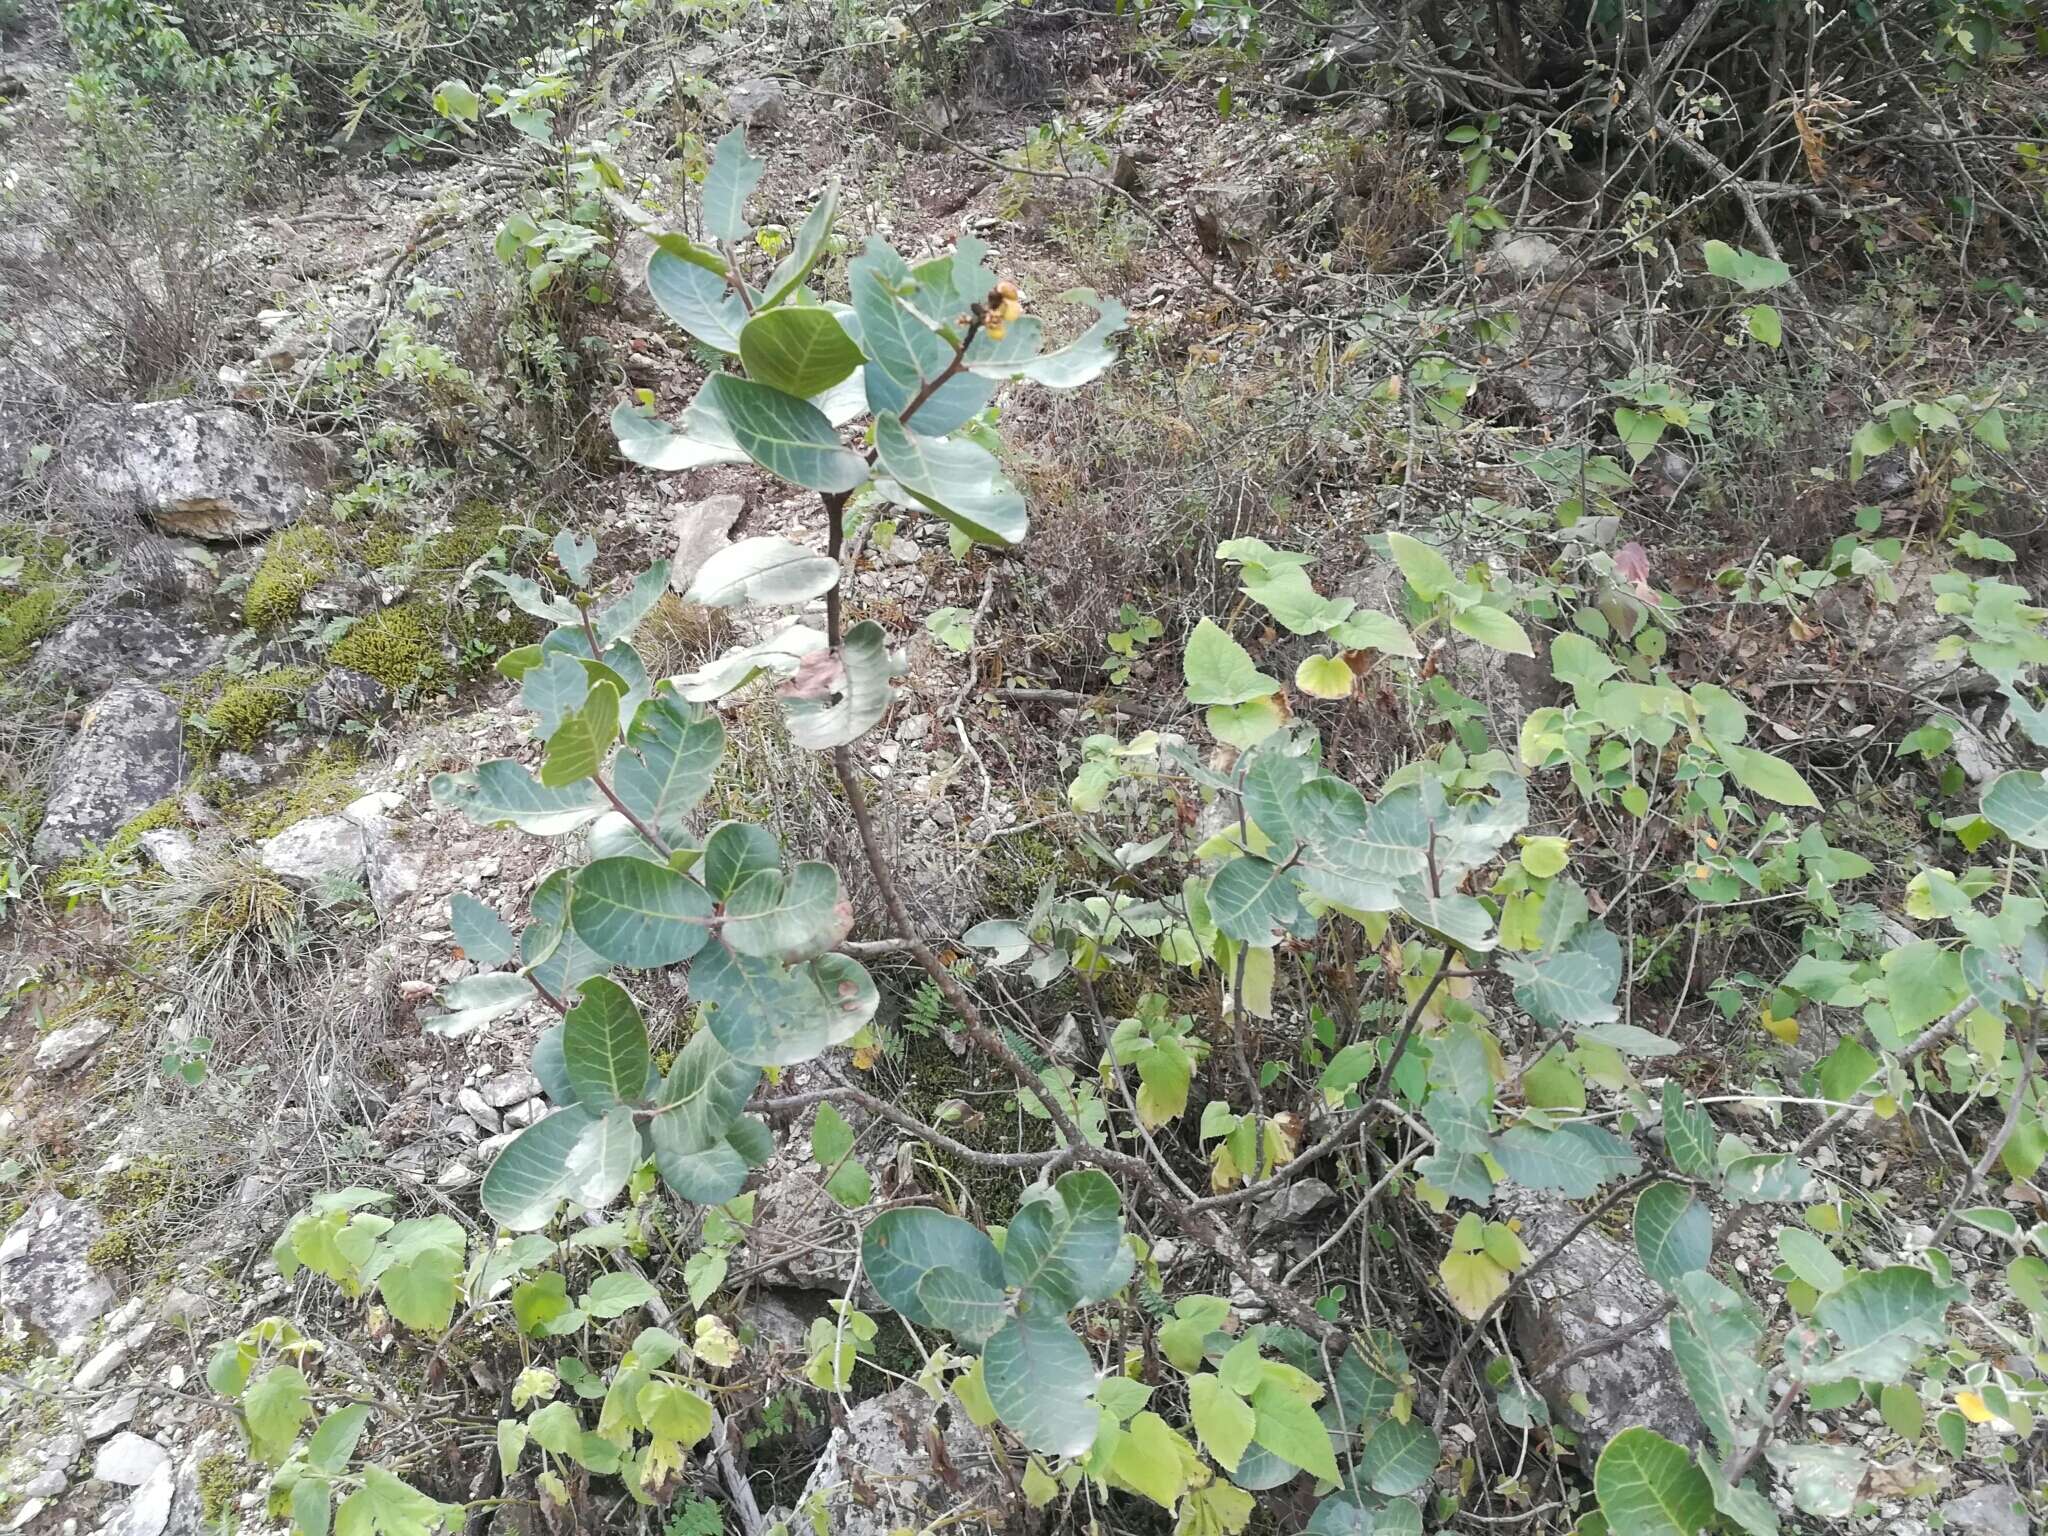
{"type": "Point", "coordinates": [418, 1269]}
{"type": "Point", "coordinates": [385, 1506]}
{"type": "Point", "coordinates": [1764, 324]}
{"type": "Point", "coordinates": [273, 1407]}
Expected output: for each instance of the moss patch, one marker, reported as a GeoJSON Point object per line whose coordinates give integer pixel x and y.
{"type": "Point", "coordinates": [326, 782]}
{"type": "Point", "coordinates": [294, 563]}
{"type": "Point", "coordinates": [246, 709]}
{"type": "Point", "coordinates": [399, 646]}
{"type": "Point", "coordinates": [42, 595]}
{"type": "Point", "coordinates": [221, 1480]}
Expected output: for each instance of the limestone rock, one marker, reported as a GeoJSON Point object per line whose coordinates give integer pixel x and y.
{"type": "Point", "coordinates": [210, 472]}
{"type": "Point", "coordinates": [393, 867]}
{"type": "Point", "coordinates": [129, 1459]}
{"type": "Point", "coordinates": [878, 1473]}
{"type": "Point", "coordinates": [113, 1413]}
{"type": "Point", "coordinates": [148, 1509]}
{"type": "Point", "coordinates": [804, 1232]}
{"type": "Point", "coordinates": [62, 1049]}
{"type": "Point", "coordinates": [1592, 1288]}
{"type": "Point", "coordinates": [45, 1278]}
{"type": "Point", "coordinates": [1993, 1510]}
{"type": "Point", "coordinates": [319, 848]}
{"type": "Point", "coordinates": [128, 754]}
{"type": "Point", "coordinates": [703, 528]}
{"type": "Point", "coordinates": [1526, 259]}
{"type": "Point", "coordinates": [344, 697]}
{"type": "Point", "coordinates": [758, 103]}
{"type": "Point", "coordinates": [133, 637]}
{"type": "Point", "coordinates": [509, 1088]}
{"type": "Point", "coordinates": [169, 849]}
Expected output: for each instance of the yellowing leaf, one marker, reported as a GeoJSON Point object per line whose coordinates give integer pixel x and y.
{"type": "Point", "coordinates": [1973, 1408]}
{"type": "Point", "coordinates": [1324, 677]}
{"type": "Point", "coordinates": [1786, 1031]}
{"type": "Point", "coordinates": [1039, 1487]}
{"type": "Point", "coordinates": [1473, 1281]}
{"type": "Point", "coordinates": [1545, 856]}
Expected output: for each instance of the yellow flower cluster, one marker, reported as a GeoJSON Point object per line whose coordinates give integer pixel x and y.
{"type": "Point", "coordinates": [1003, 308]}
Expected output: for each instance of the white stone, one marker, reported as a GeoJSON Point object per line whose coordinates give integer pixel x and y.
{"type": "Point", "coordinates": [319, 848]}
{"type": "Point", "coordinates": [62, 1049]}
{"type": "Point", "coordinates": [169, 849]}
{"type": "Point", "coordinates": [112, 1414]}
{"type": "Point", "coordinates": [129, 1459]}
{"type": "Point", "coordinates": [148, 1509]}
{"type": "Point", "coordinates": [472, 1104]}
{"type": "Point", "coordinates": [509, 1088]}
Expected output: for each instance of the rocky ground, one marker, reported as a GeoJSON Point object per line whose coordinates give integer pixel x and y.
{"type": "Point", "coordinates": [248, 627]}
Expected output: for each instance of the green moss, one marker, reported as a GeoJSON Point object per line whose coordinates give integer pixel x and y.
{"type": "Point", "coordinates": [221, 1480]}
{"type": "Point", "coordinates": [399, 646]}
{"type": "Point", "coordinates": [114, 861]}
{"type": "Point", "coordinates": [249, 707]}
{"type": "Point", "coordinates": [29, 619]}
{"type": "Point", "coordinates": [326, 782]}
{"type": "Point", "coordinates": [294, 563]}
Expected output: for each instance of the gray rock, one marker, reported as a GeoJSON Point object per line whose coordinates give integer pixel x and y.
{"type": "Point", "coordinates": [1233, 217]}
{"type": "Point", "coordinates": [803, 1233]}
{"type": "Point", "coordinates": [1993, 1510]}
{"type": "Point", "coordinates": [45, 1279]}
{"type": "Point", "coordinates": [758, 103]}
{"type": "Point", "coordinates": [703, 528]}
{"type": "Point", "coordinates": [46, 1484]}
{"type": "Point", "coordinates": [1527, 259]}
{"type": "Point", "coordinates": [132, 637]}
{"type": "Point", "coordinates": [509, 1088]}
{"type": "Point", "coordinates": [148, 1509]}
{"type": "Point", "coordinates": [472, 1104]}
{"type": "Point", "coordinates": [129, 1459]}
{"type": "Point", "coordinates": [319, 848]}
{"type": "Point", "coordinates": [128, 754]}
{"type": "Point", "coordinates": [113, 1413]}
{"type": "Point", "coordinates": [393, 866]}
{"type": "Point", "coordinates": [62, 1049]}
{"type": "Point", "coordinates": [25, 1516]}
{"type": "Point", "coordinates": [878, 1474]}
{"type": "Point", "coordinates": [208, 472]}
{"type": "Point", "coordinates": [346, 697]}
{"type": "Point", "coordinates": [110, 1358]}
{"type": "Point", "coordinates": [181, 1308]}
{"type": "Point", "coordinates": [168, 848]}
{"type": "Point", "coordinates": [1588, 1291]}
{"type": "Point", "coordinates": [1292, 1202]}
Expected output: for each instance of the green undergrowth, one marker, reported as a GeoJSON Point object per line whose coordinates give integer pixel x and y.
{"type": "Point", "coordinates": [324, 783]}
{"type": "Point", "coordinates": [399, 646]}
{"type": "Point", "coordinates": [245, 710]}
{"type": "Point", "coordinates": [294, 563]}
{"type": "Point", "coordinates": [36, 600]}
